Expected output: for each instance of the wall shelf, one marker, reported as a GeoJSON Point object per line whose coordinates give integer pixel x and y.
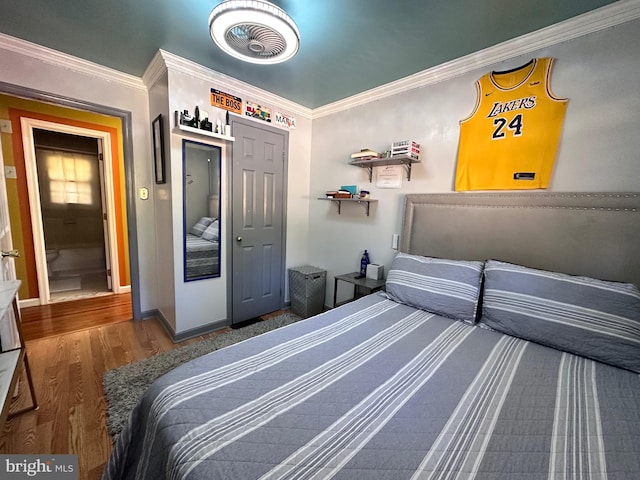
{"type": "Point", "coordinates": [365, 202]}
{"type": "Point", "coordinates": [405, 160]}
{"type": "Point", "coordinates": [206, 133]}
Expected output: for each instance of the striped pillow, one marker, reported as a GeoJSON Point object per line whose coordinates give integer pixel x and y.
{"type": "Point", "coordinates": [449, 288]}
{"type": "Point", "coordinates": [199, 228]}
{"type": "Point", "coordinates": [593, 318]}
{"type": "Point", "coordinates": [212, 232]}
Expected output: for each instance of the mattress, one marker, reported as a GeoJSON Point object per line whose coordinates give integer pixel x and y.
{"type": "Point", "coordinates": [378, 389]}
{"type": "Point", "coordinates": [202, 258]}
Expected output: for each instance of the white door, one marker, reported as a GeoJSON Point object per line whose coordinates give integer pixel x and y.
{"type": "Point", "coordinates": [8, 332]}
{"type": "Point", "coordinates": [105, 223]}
{"type": "Point", "coordinates": [107, 196]}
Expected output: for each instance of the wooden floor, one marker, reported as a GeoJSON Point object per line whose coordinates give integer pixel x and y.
{"type": "Point", "coordinates": [67, 371]}
{"type": "Point", "coordinates": [65, 317]}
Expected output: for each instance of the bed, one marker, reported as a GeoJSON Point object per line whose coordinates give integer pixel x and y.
{"type": "Point", "coordinates": [506, 346]}
{"type": "Point", "coordinates": [202, 245]}
{"type": "Point", "coordinates": [201, 257]}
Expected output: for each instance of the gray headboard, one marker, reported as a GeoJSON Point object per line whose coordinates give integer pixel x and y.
{"type": "Point", "coordinates": [591, 234]}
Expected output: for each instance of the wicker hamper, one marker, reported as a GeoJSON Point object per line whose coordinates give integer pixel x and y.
{"type": "Point", "coordinates": [307, 289]}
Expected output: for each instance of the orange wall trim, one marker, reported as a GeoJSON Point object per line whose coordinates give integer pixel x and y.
{"type": "Point", "coordinates": [23, 240]}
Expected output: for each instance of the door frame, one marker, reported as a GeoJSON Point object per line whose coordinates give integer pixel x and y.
{"type": "Point", "coordinates": [258, 124]}
{"type": "Point", "coordinates": [28, 125]}
{"type": "Point", "coordinates": [126, 119]}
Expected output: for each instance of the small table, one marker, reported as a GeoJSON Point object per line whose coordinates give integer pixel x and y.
{"type": "Point", "coordinates": [366, 285]}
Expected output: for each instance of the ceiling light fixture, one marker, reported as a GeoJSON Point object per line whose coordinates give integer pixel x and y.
{"type": "Point", "coordinates": [255, 31]}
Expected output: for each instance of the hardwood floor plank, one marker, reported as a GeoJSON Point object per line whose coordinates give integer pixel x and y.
{"type": "Point", "coordinates": [65, 317]}
{"type": "Point", "coordinates": [67, 370]}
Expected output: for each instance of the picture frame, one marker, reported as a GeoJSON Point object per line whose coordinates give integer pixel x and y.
{"type": "Point", "coordinates": [158, 149]}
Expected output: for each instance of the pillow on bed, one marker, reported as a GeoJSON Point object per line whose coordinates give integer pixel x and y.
{"type": "Point", "coordinates": [199, 228]}
{"type": "Point", "coordinates": [211, 233]}
{"type": "Point", "coordinates": [593, 318]}
{"type": "Point", "coordinates": [449, 288]}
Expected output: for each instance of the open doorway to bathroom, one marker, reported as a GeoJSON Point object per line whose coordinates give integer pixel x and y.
{"type": "Point", "coordinates": [72, 206]}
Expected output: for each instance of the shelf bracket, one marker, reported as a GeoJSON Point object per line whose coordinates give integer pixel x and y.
{"type": "Point", "coordinates": [370, 170]}
{"type": "Point", "coordinates": [366, 205]}
{"type": "Point", "coordinates": [408, 165]}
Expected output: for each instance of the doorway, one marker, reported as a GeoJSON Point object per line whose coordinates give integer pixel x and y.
{"type": "Point", "coordinates": [72, 210]}
{"type": "Point", "coordinates": [71, 186]}
{"type": "Point", "coordinates": [258, 219]}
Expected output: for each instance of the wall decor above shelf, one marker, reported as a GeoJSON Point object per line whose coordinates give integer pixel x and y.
{"type": "Point", "coordinates": [365, 202]}
{"type": "Point", "coordinates": [405, 160]}
{"type": "Point", "coordinates": [206, 133]}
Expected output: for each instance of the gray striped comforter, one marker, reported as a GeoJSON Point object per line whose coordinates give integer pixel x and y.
{"type": "Point", "coordinates": [380, 390]}
{"type": "Point", "coordinates": [202, 257]}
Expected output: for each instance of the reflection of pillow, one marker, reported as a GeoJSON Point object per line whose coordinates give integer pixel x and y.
{"type": "Point", "coordinates": [211, 233]}
{"type": "Point", "coordinates": [446, 287]}
{"type": "Point", "coordinates": [200, 227]}
{"type": "Point", "coordinates": [581, 315]}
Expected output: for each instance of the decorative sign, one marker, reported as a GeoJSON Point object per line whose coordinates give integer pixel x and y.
{"type": "Point", "coordinates": [226, 102]}
{"type": "Point", "coordinates": [256, 111]}
{"type": "Point", "coordinates": [286, 121]}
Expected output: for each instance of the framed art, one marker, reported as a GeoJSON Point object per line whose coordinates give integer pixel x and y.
{"type": "Point", "coordinates": [158, 149]}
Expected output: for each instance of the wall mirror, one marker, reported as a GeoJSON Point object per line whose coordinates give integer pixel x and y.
{"type": "Point", "coordinates": [201, 176]}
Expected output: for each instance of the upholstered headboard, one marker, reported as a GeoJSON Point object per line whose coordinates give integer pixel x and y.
{"type": "Point", "coordinates": [592, 234]}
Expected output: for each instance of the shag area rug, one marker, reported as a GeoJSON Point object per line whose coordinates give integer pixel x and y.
{"type": "Point", "coordinates": [124, 386]}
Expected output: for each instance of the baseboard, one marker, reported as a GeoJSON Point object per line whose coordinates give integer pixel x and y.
{"type": "Point", "coordinates": [122, 289]}
{"type": "Point", "coordinates": [188, 334]}
{"type": "Point", "coordinates": [203, 330]}
{"type": "Point", "coordinates": [29, 302]}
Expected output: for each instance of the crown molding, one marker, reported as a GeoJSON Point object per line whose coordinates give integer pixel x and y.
{"type": "Point", "coordinates": [590, 22]}
{"type": "Point", "coordinates": [154, 71]}
{"type": "Point", "coordinates": [187, 67]}
{"type": "Point", "coordinates": [594, 21]}
{"type": "Point", "coordinates": [69, 62]}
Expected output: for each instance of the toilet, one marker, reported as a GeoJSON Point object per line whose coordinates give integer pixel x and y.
{"type": "Point", "coordinates": [52, 254]}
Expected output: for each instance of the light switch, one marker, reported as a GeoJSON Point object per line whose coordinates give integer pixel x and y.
{"type": "Point", "coordinates": [144, 193]}
{"type": "Point", "coordinates": [10, 171]}
{"type": "Point", "coordinates": [5, 126]}
{"type": "Point", "coordinates": [394, 241]}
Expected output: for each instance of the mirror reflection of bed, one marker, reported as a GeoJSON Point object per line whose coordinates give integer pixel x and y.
{"type": "Point", "coordinates": [201, 174]}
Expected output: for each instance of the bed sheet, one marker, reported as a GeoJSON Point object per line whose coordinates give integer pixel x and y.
{"type": "Point", "coordinates": [202, 256]}
{"type": "Point", "coordinates": [376, 389]}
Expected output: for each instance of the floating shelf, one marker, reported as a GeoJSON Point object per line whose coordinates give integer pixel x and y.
{"type": "Point", "coordinates": [405, 160]}
{"type": "Point", "coordinates": [366, 202]}
{"type": "Point", "coordinates": [206, 133]}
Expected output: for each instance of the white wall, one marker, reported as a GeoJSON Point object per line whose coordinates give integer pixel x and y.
{"type": "Point", "coordinates": [162, 204]}
{"type": "Point", "coordinates": [203, 302]}
{"type": "Point", "coordinates": [50, 72]}
{"type": "Point", "coordinates": [598, 151]}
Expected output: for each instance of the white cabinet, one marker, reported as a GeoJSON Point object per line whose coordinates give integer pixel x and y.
{"type": "Point", "coordinates": [12, 358]}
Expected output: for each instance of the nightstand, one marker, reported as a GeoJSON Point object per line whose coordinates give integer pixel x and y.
{"type": "Point", "coordinates": [361, 286]}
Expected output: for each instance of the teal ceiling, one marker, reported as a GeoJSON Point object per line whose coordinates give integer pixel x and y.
{"type": "Point", "coordinates": [347, 46]}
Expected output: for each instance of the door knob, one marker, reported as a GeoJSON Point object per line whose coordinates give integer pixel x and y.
{"type": "Point", "coordinates": [239, 238]}
{"type": "Point", "coordinates": [11, 253]}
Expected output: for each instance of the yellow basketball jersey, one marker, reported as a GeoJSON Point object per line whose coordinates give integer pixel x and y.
{"type": "Point", "coordinates": [510, 139]}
